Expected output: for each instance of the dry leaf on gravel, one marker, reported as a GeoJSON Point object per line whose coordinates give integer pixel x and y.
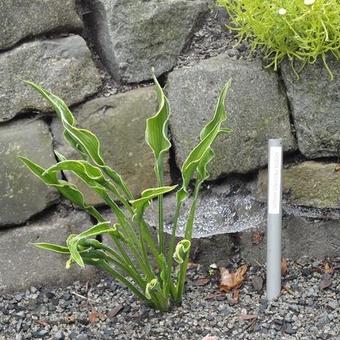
{"type": "Point", "coordinates": [202, 281]}
{"type": "Point", "coordinates": [112, 313]}
{"type": "Point", "coordinates": [236, 294]}
{"type": "Point", "coordinates": [327, 268]}
{"type": "Point", "coordinates": [247, 316]}
{"type": "Point", "coordinates": [325, 281]}
{"type": "Point", "coordinates": [42, 322]}
{"type": "Point", "coordinates": [257, 237]}
{"type": "Point", "coordinates": [210, 337]}
{"type": "Point", "coordinates": [230, 280]}
{"type": "Point", "coordinates": [337, 168]}
{"type": "Point", "coordinates": [219, 296]}
{"type": "Point", "coordinates": [94, 316]}
{"type": "Point", "coordinates": [284, 267]}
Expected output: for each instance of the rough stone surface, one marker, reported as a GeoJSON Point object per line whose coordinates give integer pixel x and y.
{"type": "Point", "coordinates": [21, 193]}
{"type": "Point", "coordinates": [222, 209]}
{"type": "Point", "coordinates": [221, 212]}
{"type": "Point", "coordinates": [300, 237]}
{"type": "Point", "coordinates": [23, 19]}
{"type": "Point", "coordinates": [23, 265]}
{"type": "Point", "coordinates": [256, 105]}
{"type": "Point", "coordinates": [119, 123]}
{"type": "Point", "coordinates": [134, 36]}
{"type": "Point", "coordinates": [315, 104]}
{"type": "Point", "coordinates": [310, 184]}
{"type": "Point", "coordinates": [64, 66]}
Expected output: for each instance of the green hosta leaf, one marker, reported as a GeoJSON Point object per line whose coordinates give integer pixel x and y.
{"type": "Point", "coordinates": [157, 126]}
{"type": "Point", "coordinates": [147, 195]}
{"type": "Point", "coordinates": [72, 244]}
{"type": "Point", "coordinates": [37, 170]}
{"type": "Point", "coordinates": [82, 140]}
{"type": "Point", "coordinates": [58, 104]}
{"type": "Point", "coordinates": [118, 180]}
{"type": "Point", "coordinates": [98, 229]}
{"type": "Point", "coordinates": [90, 243]}
{"type": "Point", "coordinates": [78, 167]}
{"type": "Point", "coordinates": [150, 286]}
{"type": "Point", "coordinates": [202, 170]}
{"type": "Point", "coordinates": [68, 190]}
{"type": "Point", "coordinates": [220, 114]}
{"type": "Point", "coordinates": [202, 154]}
{"type": "Point", "coordinates": [65, 188]}
{"type": "Point", "coordinates": [182, 249]}
{"type": "Point", "coordinates": [87, 141]}
{"type": "Point", "coordinates": [60, 156]}
{"type": "Point", "coordinates": [77, 243]}
{"type": "Point", "coordinates": [52, 247]}
{"type": "Point", "coordinates": [89, 174]}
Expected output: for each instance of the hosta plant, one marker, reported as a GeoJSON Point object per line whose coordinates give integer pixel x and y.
{"type": "Point", "coordinates": [154, 271]}
{"type": "Point", "coordinates": [301, 30]}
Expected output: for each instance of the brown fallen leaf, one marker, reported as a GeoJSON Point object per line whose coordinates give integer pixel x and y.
{"type": "Point", "coordinates": [233, 280]}
{"type": "Point", "coordinates": [210, 337]}
{"type": "Point", "coordinates": [236, 294]}
{"type": "Point", "coordinates": [112, 313]}
{"type": "Point", "coordinates": [288, 289]}
{"type": "Point", "coordinates": [202, 281]}
{"type": "Point", "coordinates": [328, 268]}
{"type": "Point", "coordinates": [325, 281]}
{"type": "Point", "coordinates": [218, 296]}
{"type": "Point", "coordinates": [337, 168]}
{"type": "Point", "coordinates": [257, 237]}
{"type": "Point", "coordinates": [42, 322]}
{"type": "Point", "coordinates": [284, 267]}
{"type": "Point", "coordinates": [247, 317]}
{"type": "Point", "coordinates": [94, 316]}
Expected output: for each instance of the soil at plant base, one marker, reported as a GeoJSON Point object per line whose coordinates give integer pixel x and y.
{"type": "Point", "coordinates": [307, 309]}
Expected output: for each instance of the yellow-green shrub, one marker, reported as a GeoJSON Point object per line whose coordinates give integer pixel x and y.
{"type": "Point", "coordinates": [302, 30]}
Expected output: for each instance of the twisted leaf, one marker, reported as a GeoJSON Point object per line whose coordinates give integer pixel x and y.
{"type": "Point", "coordinates": [182, 249]}
{"type": "Point", "coordinates": [157, 125]}
{"type": "Point", "coordinates": [202, 154]}
{"type": "Point", "coordinates": [141, 204]}
{"type": "Point", "coordinates": [73, 241]}
{"type": "Point", "coordinates": [68, 190]}
{"type": "Point", "coordinates": [82, 140]}
{"type": "Point", "coordinates": [56, 248]}
{"type": "Point", "coordinates": [150, 286]}
{"type": "Point", "coordinates": [78, 167]}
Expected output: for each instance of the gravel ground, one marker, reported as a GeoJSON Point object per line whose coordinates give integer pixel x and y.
{"type": "Point", "coordinates": [307, 309]}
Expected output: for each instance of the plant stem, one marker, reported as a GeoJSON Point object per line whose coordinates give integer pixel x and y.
{"type": "Point", "coordinates": [187, 236]}
{"type": "Point", "coordinates": [103, 265]}
{"type": "Point", "coordinates": [125, 261]}
{"type": "Point", "coordinates": [160, 182]}
{"type": "Point", "coordinates": [173, 235]}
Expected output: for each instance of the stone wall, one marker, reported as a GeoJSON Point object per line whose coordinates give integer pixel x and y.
{"type": "Point", "coordinates": [98, 56]}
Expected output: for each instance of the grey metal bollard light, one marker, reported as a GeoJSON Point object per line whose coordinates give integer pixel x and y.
{"type": "Point", "coordinates": [274, 218]}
